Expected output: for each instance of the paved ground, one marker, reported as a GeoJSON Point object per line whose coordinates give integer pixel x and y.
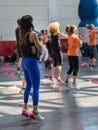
{"type": "Point", "coordinates": [73, 109]}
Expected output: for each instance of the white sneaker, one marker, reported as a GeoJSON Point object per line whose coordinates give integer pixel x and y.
{"type": "Point", "coordinates": [39, 117]}
{"type": "Point", "coordinates": [36, 116]}
{"type": "Point", "coordinates": [92, 68]}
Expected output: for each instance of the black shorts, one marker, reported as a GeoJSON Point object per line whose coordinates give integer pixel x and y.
{"type": "Point", "coordinates": [93, 52]}
{"type": "Point", "coordinates": [57, 58]}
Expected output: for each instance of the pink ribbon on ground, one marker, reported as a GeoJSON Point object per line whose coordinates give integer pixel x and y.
{"type": "Point", "coordinates": [4, 68]}
{"type": "Point", "coordinates": [84, 64]}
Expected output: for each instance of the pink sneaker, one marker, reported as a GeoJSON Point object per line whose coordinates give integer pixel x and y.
{"type": "Point", "coordinates": [25, 112]}
{"type": "Point", "coordinates": [60, 80]}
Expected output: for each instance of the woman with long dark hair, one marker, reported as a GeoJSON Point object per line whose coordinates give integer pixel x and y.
{"type": "Point", "coordinates": [30, 46]}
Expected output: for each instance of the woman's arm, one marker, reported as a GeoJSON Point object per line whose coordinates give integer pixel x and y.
{"type": "Point", "coordinates": [80, 41]}
{"type": "Point", "coordinates": [34, 38]}
{"type": "Point", "coordinates": [96, 31]}
{"type": "Point", "coordinates": [62, 35]}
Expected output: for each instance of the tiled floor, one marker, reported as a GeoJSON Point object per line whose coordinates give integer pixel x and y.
{"type": "Point", "coordinates": [63, 109]}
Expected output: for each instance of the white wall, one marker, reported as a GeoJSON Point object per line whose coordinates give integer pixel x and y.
{"type": "Point", "coordinates": [68, 12]}
{"type": "Point", "coordinates": [53, 10]}
{"type": "Point", "coordinates": [11, 10]}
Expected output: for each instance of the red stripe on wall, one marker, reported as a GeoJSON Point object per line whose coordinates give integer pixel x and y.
{"type": "Point", "coordinates": [6, 47]}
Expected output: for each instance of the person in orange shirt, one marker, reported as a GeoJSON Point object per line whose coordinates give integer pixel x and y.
{"type": "Point", "coordinates": [74, 42]}
{"type": "Point", "coordinates": [92, 45]}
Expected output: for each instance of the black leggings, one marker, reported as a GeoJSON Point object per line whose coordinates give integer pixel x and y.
{"type": "Point", "coordinates": [73, 65]}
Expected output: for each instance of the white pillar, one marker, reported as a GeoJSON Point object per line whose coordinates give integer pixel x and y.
{"type": "Point", "coordinates": [53, 15]}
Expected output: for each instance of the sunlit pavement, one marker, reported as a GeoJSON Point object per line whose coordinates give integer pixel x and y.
{"type": "Point", "coordinates": [64, 106]}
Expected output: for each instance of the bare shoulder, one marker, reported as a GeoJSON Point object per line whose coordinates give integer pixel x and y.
{"type": "Point", "coordinates": [33, 36]}
{"type": "Point", "coordinates": [57, 33]}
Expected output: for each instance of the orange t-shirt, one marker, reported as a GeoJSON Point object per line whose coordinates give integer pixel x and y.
{"type": "Point", "coordinates": [92, 37]}
{"type": "Point", "coordinates": [73, 45]}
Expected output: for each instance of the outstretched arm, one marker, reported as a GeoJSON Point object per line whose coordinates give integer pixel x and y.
{"type": "Point", "coordinates": [61, 34]}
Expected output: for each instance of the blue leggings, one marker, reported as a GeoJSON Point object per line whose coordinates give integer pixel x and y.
{"type": "Point", "coordinates": [32, 76]}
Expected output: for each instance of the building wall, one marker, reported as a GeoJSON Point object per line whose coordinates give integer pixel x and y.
{"type": "Point", "coordinates": [68, 12]}
{"type": "Point", "coordinates": [11, 10]}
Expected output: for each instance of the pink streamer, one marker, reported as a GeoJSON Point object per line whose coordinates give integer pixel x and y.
{"type": "Point", "coordinates": [4, 68]}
